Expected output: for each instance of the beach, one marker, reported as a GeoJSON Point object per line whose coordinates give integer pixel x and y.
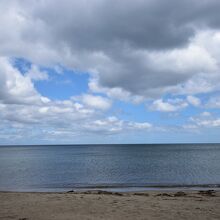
{"type": "Point", "coordinates": [110, 205]}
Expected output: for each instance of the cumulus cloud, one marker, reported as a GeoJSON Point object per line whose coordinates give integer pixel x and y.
{"type": "Point", "coordinates": [94, 101]}
{"type": "Point", "coordinates": [24, 112]}
{"type": "Point", "coordinates": [34, 73]}
{"type": "Point", "coordinates": [203, 120]}
{"type": "Point", "coordinates": [188, 70]}
{"type": "Point", "coordinates": [193, 100]}
{"type": "Point", "coordinates": [173, 105]}
{"type": "Point", "coordinates": [170, 105]}
{"type": "Point", "coordinates": [113, 125]}
{"type": "Point", "coordinates": [141, 48]}
{"type": "Point", "coordinates": [16, 88]}
{"type": "Point", "coordinates": [213, 102]}
{"type": "Point", "coordinates": [114, 93]}
{"type": "Point", "coordinates": [134, 51]}
{"type": "Point", "coordinates": [61, 121]}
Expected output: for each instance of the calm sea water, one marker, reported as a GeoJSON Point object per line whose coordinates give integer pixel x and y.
{"type": "Point", "coordinates": [57, 168]}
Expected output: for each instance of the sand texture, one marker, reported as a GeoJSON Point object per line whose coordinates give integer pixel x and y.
{"type": "Point", "coordinates": [100, 205]}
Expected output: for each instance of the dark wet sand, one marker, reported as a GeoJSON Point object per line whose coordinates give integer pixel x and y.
{"type": "Point", "coordinates": [100, 205]}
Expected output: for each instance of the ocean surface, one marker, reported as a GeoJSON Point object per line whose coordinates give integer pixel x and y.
{"type": "Point", "coordinates": [63, 168]}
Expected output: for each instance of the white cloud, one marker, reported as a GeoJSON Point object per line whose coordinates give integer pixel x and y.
{"type": "Point", "coordinates": [138, 125]}
{"type": "Point", "coordinates": [208, 122]}
{"type": "Point", "coordinates": [171, 105]}
{"type": "Point", "coordinates": [213, 102]}
{"type": "Point", "coordinates": [34, 73]}
{"type": "Point", "coordinates": [14, 87]}
{"type": "Point", "coordinates": [192, 59]}
{"type": "Point", "coordinates": [205, 114]}
{"type": "Point", "coordinates": [112, 125]}
{"type": "Point", "coordinates": [94, 101]}
{"type": "Point", "coordinates": [178, 55]}
{"type": "Point", "coordinates": [193, 100]}
{"type": "Point", "coordinates": [114, 93]}
{"type": "Point", "coordinates": [198, 84]}
{"type": "Point", "coordinates": [203, 120]}
{"type": "Point", "coordinates": [190, 70]}
{"type": "Point", "coordinates": [174, 57]}
{"type": "Point", "coordinates": [25, 112]}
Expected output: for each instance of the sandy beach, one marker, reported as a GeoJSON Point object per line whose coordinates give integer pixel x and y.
{"type": "Point", "coordinates": [103, 205]}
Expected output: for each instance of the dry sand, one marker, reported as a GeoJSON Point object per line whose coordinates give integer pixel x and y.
{"type": "Point", "coordinates": [98, 205]}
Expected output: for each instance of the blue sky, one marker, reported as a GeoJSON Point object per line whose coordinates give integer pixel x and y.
{"type": "Point", "coordinates": [93, 79]}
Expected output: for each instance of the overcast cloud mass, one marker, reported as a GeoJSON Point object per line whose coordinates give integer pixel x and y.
{"type": "Point", "coordinates": [150, 68]}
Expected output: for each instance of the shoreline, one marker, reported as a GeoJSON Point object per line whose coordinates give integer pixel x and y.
{"type": "Point", "coordinates": [99, 204]}
{"type": "Point", "coordinates": [118, 188]}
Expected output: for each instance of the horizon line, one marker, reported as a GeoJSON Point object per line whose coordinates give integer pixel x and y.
{"type": "Point", "coordinates": [184, 143]}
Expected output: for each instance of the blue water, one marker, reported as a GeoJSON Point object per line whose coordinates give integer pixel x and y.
{"type": "Point", "coordinates": [58, 168]}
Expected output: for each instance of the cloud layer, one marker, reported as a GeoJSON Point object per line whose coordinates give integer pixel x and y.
{"type": "Point", "coordinates": [26, 114]}
{"type": "Point", "coordinates": [134, 51]}
{"type": "Point", "coordinates": [127, 45]}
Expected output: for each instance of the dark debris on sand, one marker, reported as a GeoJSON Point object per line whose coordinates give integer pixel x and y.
{"type": "Point", "coordinates": [180, 193]}
{"type": "Point", "coordinates": [164, 194]}
{"type": "Point", "coordinates": [207, 192]}
{"type": "Point", "coordinates": [141, 194]}
{"type": "Point", "coordinates": [100, 192]}
{"type": "Point", "coordinates": [177, 194]}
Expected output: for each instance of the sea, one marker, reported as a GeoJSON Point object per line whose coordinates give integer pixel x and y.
{"type": "Point", "coordinates": [128, 167]}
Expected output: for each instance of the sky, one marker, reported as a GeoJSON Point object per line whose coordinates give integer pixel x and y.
{"type": "Point", "coordinates": [107, 71]}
